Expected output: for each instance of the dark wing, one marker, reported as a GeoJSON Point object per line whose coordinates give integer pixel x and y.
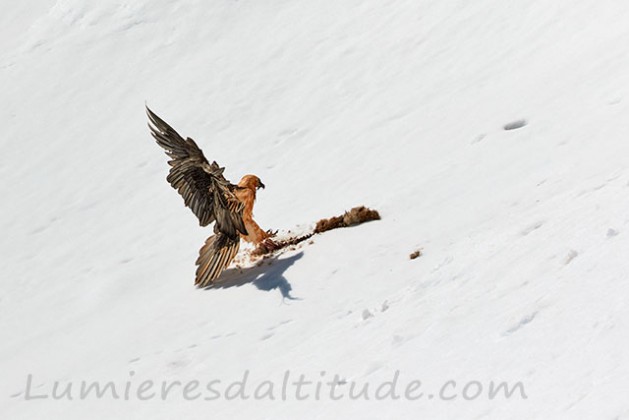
{"type": "Point", "coordinates": [217, 253]}
{"type": "Point", "coordinates": [201, 184]}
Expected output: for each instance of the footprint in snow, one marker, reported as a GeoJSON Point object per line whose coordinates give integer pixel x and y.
{"type": "Point", "coordinates": [367, 314]}
{"type": "Point", "coordinates": [612, 232]}
{"type": "Point", "coordinates": [531, 228]}
{"type": "Point", "coordinates": [520, 324]}
{"type": "Point", "coordinates": [572, 254]}
{"type": "Point", "coordinates": [514, 125]}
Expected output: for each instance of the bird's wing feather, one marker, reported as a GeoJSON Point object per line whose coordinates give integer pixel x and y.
{"type": "Point", "coordinates": [201, 184]}
{"type": "Point", "coordinates": [216, 254]}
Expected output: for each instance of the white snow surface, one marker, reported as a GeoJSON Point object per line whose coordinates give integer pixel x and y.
{"type": "Point", "coordinates": [397, 105]}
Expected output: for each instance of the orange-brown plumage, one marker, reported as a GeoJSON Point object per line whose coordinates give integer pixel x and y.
{"type": "Point", "coordinates": [246, 194]}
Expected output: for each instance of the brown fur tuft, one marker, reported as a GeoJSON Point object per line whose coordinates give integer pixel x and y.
{"type": "Point", "coordinates": [355, 216]}
{"type": "Point", "coordinates": [415, 254]}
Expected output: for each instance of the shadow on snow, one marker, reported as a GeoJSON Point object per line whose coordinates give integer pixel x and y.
{"type": "Point", "coordinates": [267, 276]}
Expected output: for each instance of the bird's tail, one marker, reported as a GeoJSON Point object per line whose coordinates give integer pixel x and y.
{"type": "Point", "coordinates": [214, 256]}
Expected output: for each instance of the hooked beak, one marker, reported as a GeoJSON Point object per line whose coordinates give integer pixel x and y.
{"type": "Point", "coordinates": [260, 185]}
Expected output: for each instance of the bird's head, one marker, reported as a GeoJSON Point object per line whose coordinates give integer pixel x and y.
{"type": "Point", "coordinates": [251, 181]}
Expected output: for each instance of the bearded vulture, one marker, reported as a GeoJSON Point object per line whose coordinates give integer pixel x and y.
{"type": "Point", "coordinates": [211, 198]}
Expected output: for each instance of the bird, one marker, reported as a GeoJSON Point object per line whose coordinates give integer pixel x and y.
{"type": "Point", "coordinates": [212, 199]}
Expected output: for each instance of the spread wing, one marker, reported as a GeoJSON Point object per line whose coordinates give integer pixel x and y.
{"type": "Point", "coordinates": [216, 254]}
{"type": "Point", "coordinates": [201, 184]}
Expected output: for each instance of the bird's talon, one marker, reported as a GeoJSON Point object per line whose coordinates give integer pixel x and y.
{"type": "Point", "coordinates": [272, 233]}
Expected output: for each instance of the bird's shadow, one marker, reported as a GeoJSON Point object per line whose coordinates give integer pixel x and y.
{"type": "Point", "coordinates": [266, 276]}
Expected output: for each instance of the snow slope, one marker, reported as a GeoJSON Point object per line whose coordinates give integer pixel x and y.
{"type": "Point", "coordinates": [398, 105]}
